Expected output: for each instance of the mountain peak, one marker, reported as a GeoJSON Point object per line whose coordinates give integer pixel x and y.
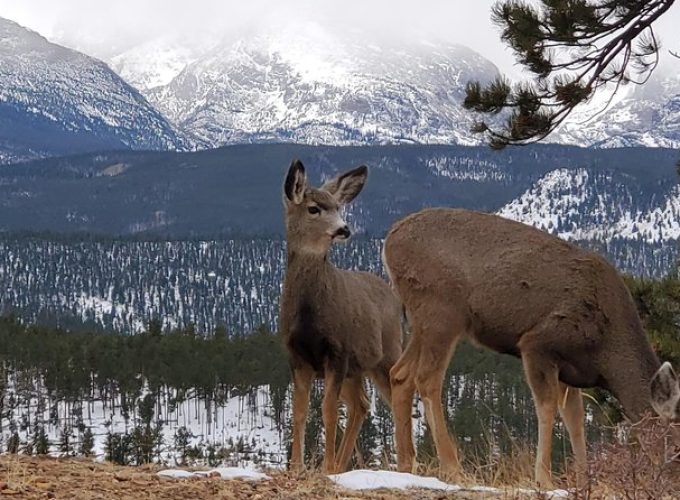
{"type": "Point", "coordinates": [307, 84]}
{"type": "Point", "coordinates": [55, 100]}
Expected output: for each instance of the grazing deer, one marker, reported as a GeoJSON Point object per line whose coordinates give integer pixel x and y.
{"type": "Point", "coordinates": [517, 290]}
{"type": "Point", "coordinates": [336, 324]}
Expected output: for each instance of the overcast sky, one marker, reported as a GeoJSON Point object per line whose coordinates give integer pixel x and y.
{"type": "Point", "coordinates": [101, 28]}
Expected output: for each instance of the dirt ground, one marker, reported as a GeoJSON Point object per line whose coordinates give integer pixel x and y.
{"type": "Point", "coordinates": [33, 477]}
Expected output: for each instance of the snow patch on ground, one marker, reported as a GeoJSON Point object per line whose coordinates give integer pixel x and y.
{"type": "Point", "coordinates": [380, 479]}
{"type": "Point", "coordinates": [377, 479]}
{"type": "Point", "coordinates": [224, 473]}
{"type": "Point", "coordinates": [176, 473]}
{"type": "Point", "coordinates": [364, 480]}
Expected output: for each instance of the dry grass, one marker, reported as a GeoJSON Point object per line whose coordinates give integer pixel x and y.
{"type": "Point", "coordinates": [643, 463]}
{"type": "Point", "coordinates": [40, 477]}
{"type": "Point", "coordinates": [513, 470]}
{"type": "Point", "coordinates": [505, 472]}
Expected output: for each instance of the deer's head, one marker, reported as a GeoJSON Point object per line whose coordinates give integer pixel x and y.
{"type": "Point", "coordinates": [314, 215]}
{"type": "Point", "coordinates": [666, 392]}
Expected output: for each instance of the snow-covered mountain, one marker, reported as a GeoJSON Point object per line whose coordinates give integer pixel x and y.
{"type": "Point", "coordinates": [54, 100]}
{"type": "Point", "coordinates": [155, 63]}
{"type": "Point", "coordinates": [302, 83]}
{"type": "Point", "coordinates": [637, 115]}
{"type": "Point", "coordinates": [310, 85]}
{"type": "Point", "coordinates": [578, 204]}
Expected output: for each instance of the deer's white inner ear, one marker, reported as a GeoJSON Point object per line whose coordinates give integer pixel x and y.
{"type": "Point", "coordinates": [665, 392]}
{"type": "Point", "coordinates": [299, 192]}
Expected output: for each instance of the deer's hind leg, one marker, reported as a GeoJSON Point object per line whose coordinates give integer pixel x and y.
{"type": "Point", "coordinates": [353, 394]}
{"type": "Point", "coordinates": [436, 329]}
{"type": "Point", "coordinates": [402, 388]}
{"type": "Point", "coordinates": [381, 379]}
{"type": "Point", "coordinates": [542, 376]}
{"type": "Point", "coordinates": [434, 360]}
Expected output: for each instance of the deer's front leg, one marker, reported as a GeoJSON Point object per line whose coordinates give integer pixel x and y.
{"type": "Point", "coordinates": [302, 385]}
{"type": "Point", "coordinates": [329, 410]}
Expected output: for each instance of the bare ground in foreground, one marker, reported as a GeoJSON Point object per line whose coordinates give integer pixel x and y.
{"type": "Point", "coordinates": [79, 479]}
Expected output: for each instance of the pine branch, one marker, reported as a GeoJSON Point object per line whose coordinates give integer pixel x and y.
{"type": "Point", "coordinates": [572, 48]}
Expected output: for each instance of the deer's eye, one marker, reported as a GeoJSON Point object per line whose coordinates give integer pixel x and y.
{"type": "Point", "coordinates": [314, 210]}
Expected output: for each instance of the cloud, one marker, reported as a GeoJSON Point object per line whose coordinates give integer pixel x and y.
{"type": "Point", "coordinates": [106, 28]}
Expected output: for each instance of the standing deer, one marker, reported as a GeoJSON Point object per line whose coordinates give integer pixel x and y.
{"type": "Point", "coordinates": [517, 290]}
{"type": "Point", "coordinates": [336, 324]}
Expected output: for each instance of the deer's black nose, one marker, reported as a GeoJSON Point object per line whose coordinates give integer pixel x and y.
{"type": "Point", "coordinates": [343, 232]}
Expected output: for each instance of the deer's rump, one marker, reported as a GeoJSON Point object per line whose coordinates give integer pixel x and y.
{"type": "Point", "coordinates": [512, 283]}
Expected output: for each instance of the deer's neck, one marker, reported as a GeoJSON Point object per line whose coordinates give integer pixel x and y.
{"type": "Point", "coordinates": [306, 271]}
{"type": "Point", "coordinates": [629, 368]}
{"type": "Point", "coordinates": [632, 384]}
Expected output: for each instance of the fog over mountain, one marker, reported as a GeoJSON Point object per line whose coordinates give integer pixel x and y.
{"type": "Point", "coordinates": [107, 29]}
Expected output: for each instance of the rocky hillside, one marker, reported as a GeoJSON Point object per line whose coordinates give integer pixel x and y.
{"type": "Point", "coordinates": [580, 204]}
{"type": "Point", "coordinates": [54, 101]}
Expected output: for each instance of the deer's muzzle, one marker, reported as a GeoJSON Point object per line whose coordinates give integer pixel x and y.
{"type": "Point", "coordinates": [343, 233]}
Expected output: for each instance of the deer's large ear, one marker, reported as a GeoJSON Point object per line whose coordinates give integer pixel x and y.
{"type": "Point", "coordinates": [347, 186]}
{"type": "Point", "coordinates": [665, 392]}
{"type": "Point", "coordinates": [295, 184]}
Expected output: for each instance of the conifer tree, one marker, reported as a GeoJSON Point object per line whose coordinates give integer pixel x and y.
{"type": "Point", "coordinates": [117, 448]}
{"type": "Point", "coordinates": [41, 444]}
{"type": "Point", "coordinates": [572, 48]}
{"type": "Point", "coordinates": [183, 437]}
{"type": "Point", "coordinates": [86, 447]}
{"type": "Point", "coordinates": [65, 442]}
{"type": "Point", "coordinates": [368, 441]}
{"type": "Point", "coordinates": [13, 443]}
{"type": "Point", "coordinates": [211, 455]}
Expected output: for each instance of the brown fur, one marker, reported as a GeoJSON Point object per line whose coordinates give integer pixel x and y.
{"type": "Point", "coordinates": [336, 324]}
{"type": "Point", "coordinates": [517, 290]}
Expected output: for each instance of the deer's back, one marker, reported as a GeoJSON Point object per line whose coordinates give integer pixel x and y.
{"type": "Point", "coordinates": [507, 276]}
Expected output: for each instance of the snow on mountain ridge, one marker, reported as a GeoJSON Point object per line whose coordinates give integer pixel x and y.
{"type": "Point", "coordinates": [662, 223]}
{"type": "Point", "coordinates": [312, 86]}
{"type": "Point", "coordinates": [573, 205]}
{"type": "Point", "coordinates": [635, 115]}
{"type": "Point", "coordinates": [54, 100]}
{"type": "Point", "coordinates": [305, 83]}
{"type": "Point", "coordinates": [157, 62]}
